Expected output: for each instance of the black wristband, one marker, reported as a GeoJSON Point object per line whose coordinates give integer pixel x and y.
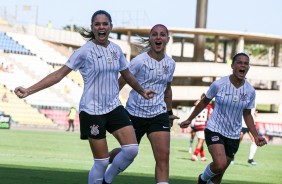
{"type": "Point", "coordinates": [170, 112]}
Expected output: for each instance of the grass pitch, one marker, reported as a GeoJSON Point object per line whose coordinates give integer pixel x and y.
{"type": "Point", "coordinates": [61, 157]}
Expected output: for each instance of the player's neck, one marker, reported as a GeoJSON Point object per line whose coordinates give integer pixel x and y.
{"type": "Point", "coordinates": [156, 56]}
{"type": "Point", "coordinates": [236, 81]}
{"type": "Point", "coordinates": [101, 44]}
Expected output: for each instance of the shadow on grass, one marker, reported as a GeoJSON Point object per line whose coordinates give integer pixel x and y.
{"type": "Point", "coordinates": [184, 151]}
{"type": "Point", "coordinates": [27, 175]}
{"type": "Point", "coordinates": [241, 164]}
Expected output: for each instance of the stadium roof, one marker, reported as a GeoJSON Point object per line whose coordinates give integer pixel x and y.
{"type": "Point", "coordinates": [248, 37]}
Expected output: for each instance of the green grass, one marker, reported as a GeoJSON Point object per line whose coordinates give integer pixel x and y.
{"type": "Point", "coordinates": [61, 157]}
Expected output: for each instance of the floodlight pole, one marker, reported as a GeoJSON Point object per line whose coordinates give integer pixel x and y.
{"type": "Point", "coordinates": [201, 22]}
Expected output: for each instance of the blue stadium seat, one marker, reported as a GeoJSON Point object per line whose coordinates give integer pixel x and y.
{"type": "Point", "coordinates": [11, 46]}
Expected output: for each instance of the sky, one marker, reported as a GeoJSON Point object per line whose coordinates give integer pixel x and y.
{"type": "Point", "coordinates": [253, 16]}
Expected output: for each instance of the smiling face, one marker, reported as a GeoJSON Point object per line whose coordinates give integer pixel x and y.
{"type": "Point", "coordinates": [240, 66]}
{"type": "Point", "coordinates": [101, 27]}
{"type": "Point", "coordinates": [158, 38]}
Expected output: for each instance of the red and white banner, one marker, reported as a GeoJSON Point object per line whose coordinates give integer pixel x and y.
{"type": "Point", "coordinates": [269, 129]}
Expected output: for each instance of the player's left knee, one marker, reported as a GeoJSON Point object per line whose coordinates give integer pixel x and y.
{"type": "Point", "coordinates": [130, 151]}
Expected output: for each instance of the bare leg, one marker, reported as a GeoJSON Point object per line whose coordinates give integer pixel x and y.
{"type": "Point", "coordinates": [72, 125]}
{"type": "Point", "coordinates": [217, 179]}
{"type": "Point", "coordinates": [160, 142]}
{"type": "Point", "coordinates": [220, 161]}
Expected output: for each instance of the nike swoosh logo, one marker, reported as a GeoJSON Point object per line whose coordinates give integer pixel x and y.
{"type": "Point", "coordinates": [119, 169]}
{"type": "Point", "coordinates": [165, 127]}
{"type": "Point", "coordinates": [99, 57]}
{"type": "Point", "coordinates": [152, 68]}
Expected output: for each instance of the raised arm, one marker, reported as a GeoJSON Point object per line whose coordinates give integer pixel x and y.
{"type": "Point", "coordinates": [46, 82]}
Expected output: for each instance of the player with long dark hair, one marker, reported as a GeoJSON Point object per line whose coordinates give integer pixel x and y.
{"type": "Point", "coordinates": [99, 61]}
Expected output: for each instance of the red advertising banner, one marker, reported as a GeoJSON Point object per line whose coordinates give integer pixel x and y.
{"type": "Point", "coordinates": [269, 129]}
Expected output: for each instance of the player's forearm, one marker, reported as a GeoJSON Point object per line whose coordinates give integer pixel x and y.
{"type": "Point", "coordinates": [121, 82]}
{"type": "Point", "coordinates": [199, 107]}
{"type": "Point", "coordinates": [252, 128]}
{"type": "Point", "coordinates": [131, 81]}
{"type": "Point", "coordinates": [249, 120]}
{"type": "Point", "coordinates": [46, 82]}
{"type": "Point", "coordinates": [168, 98]}
{"type": "Point", "coordinates": [196, 111]}
{"type": "Point", "coordinates": [136, 86]}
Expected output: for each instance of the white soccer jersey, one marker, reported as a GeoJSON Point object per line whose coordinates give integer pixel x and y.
{"type": "Point", "coordinates": [99, 67]}
{"type": "Point", "coordinates": [151, 74]}
{"type": "Point", "coordinates": [230, 102]}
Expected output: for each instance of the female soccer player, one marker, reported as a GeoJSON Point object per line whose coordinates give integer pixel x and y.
{"type": "Point", "coordinates": [99, 62]}
{"type": "Point", "coordinates": [154, 69]}
{"type": "Point", "coordinates": [234, 97]}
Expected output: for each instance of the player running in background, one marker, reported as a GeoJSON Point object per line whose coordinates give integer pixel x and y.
{"type": "Point", "coordinates": [154, 69]}
{"type": "Point", "coordinates": [234, 98]}
{"type": "Point", "coordinates": [99, 61]}
{"type": "Point", "coordinates": [199, 127]}
{"type": "Point", "coordinates": [192, 137]}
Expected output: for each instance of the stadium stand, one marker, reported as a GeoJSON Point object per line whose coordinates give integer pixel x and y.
{"type": "Point", "coordinates": [21, 112]}
{"type": "Point", "coordinates": [38, 68]}
{"type": "Point", "coordinates": [22, 76]}
{"type": "Point", "coordinates": [59, 117]}
{"type": "Point", "coordinates": [7, 44]}
{"type": "Point", "coordinates": [74, 76]}
{"type": "Point", "coordinates": [38, 47]}
{"type": "Point", "coordinates": [46, 99]}
{"type": "Point", "coordinates": [65, 51]}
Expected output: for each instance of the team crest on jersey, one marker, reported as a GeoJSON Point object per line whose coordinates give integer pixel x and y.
{"type": "Point", "coordinates": [94, 129]}
{"type": "Point", "coordinates": [114, 55]}
{"type": "Point", "coordinates": [166, 69]}
{"type": "Point", "coordinates": [243, 97]}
